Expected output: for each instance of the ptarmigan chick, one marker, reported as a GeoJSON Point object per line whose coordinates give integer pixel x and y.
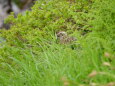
{"type": "Point", "coordinates": [64, 38]}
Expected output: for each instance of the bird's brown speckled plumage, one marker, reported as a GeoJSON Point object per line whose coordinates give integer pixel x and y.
{"type": "Point", "coordinates": [64, 38]}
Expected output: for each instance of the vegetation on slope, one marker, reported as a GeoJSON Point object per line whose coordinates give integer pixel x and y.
{"type": "Point", "coordinates": [31, 55]}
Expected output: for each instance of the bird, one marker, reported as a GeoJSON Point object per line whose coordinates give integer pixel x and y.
{"type": "Point", "coordinates": [63, 37]}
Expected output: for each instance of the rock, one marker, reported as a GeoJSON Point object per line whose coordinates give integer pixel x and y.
{"type": "Point", "coordinates": [5, 9]}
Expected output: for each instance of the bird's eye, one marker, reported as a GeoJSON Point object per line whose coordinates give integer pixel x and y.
{"type": "Point", "coordinates": [58, 35]}
{"type": "Point", "coordinates": [62, 34]}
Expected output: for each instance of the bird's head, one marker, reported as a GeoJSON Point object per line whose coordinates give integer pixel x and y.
{"type": "Point", "coordinates": [61, 34]}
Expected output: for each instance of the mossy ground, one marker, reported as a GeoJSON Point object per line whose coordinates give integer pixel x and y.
{"type": "Point", "coordinates": [31, 56]}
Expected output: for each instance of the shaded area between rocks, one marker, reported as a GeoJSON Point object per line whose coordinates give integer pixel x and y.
{"type": "Point", "coordinates": [16, 6]}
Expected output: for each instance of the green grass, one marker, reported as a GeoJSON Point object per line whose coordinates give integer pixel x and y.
{"type": "Point", "coordinates": [31, 55]}
{"type": "Point", "coordinates": [47, 68]}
